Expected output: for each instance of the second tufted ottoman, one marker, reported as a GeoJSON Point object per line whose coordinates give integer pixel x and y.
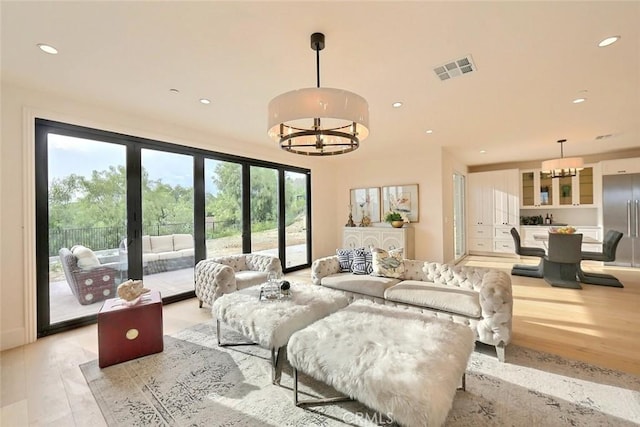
{"type": "Point", "coordinates": [403, 364]}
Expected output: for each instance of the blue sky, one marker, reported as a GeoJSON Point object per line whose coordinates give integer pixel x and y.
{"type": "Point", "coordinates": [69, 155]}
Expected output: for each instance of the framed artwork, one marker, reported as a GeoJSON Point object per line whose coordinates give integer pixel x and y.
{"type": "Point", "coordinates": [401, 198]}
{"type": "Point", "coordinates": [365, 201]}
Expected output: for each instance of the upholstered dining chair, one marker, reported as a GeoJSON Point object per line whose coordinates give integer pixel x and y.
{"type": "Point", "coordinates": [523, 269]}
{"type": "Point", "coordinates": [562, 263]}
{"type": "Point", "coordinates": [608, 254]}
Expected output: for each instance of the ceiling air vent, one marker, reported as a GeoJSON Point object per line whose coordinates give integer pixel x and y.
{"type": "Point", "coordinates": [455, 68]}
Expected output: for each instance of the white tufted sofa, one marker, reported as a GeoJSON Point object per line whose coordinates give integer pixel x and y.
{"type": "Point", "coordinates": [222, 275]}
{"type": "Point", "coordinates": [479, 298]}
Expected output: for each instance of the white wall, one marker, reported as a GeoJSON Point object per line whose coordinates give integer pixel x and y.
{"type": "Point", "coordinates": [368, 167]}
{"type": "Point", "coordinates": [16, 209]}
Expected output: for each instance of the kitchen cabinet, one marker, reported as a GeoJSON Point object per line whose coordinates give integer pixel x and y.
{"type": "Point", "coordinates": [506, 198]}
{"type": "Point", "coordinates": [380, 237]}
{"type": "Point", "coordinates": [540, 191]}
{"type": "Point", "coordinates": [480, 196]}
{"type": "Point", "coordinates": [621, 166]}
{"type": "Point", "coordinates": [493, 209]}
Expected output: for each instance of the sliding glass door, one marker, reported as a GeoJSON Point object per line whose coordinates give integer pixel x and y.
{"type": "Point", "coordinates": [168, 248]}
{"type": "Point", "coordinates": [296, 217]}
{"type": "Point", "coordinates": [459, 233]}
{"type": "Point", "coordinates": [223, 207]}
{"type": "Point", "coordinates": [86, 212]}
{"type": "Point", "coordinates": [111, 207]}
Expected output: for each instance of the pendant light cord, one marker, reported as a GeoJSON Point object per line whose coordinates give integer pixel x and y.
{"type": "Point", "coordinates": [318, 67]}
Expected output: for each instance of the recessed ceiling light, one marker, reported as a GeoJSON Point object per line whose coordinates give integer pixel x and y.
{"type": "Point", "coordinates": [429, 131]}
{"type": "Point", "coordinates": [579, 100]}
{"type": "Point", "coordinates": [174, 91]}
{"type": "Point", "coordinates": [483, 151]}
{"type": "Point", "coordinates": [608, 41]}
{"type": "Point", "coordinates": [205, 101]}
{"type": "Point", "coordinates": [397, 104]}
{"type": "Point", "coordinates": [47, 48]}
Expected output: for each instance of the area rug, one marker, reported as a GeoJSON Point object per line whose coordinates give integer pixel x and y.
{"type": "Point", "coordinates": [193, 382]}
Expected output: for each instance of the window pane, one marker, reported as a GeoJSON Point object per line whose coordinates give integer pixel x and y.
{"type": "Point", "coordinates": [167, 222]}
{"type": "Point", "coordinates": [87, 222]}
{"type": "Point", "coordinates": [295, 199]}
{"type": "Point", "coordinates": [223, 207]}
{"type": "Point", "coordinates": [264, 210]}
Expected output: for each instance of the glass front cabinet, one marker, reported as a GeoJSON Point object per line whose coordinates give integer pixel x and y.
{"type": "Point", "coordinates": [539, 190]}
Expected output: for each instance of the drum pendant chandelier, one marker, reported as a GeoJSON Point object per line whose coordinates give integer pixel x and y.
{"type": "Point", "coordinates": [318, 121]}
{"type": "Point", "coordinates": [564, 166]}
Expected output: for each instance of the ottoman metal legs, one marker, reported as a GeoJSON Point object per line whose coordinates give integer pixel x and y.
{"type": "Point", "coordinates": [277, 356]}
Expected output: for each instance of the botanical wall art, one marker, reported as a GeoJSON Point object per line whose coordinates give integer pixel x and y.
{"type": "Point", "coordinates": [401, 198]}
{"type": "Point", "coordinates": [365, 203]}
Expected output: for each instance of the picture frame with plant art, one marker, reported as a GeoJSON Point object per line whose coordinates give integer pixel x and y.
{"type": "Point", "coordinates": [402, 199]}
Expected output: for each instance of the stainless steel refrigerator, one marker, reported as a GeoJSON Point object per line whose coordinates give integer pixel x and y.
{"type": "Point", "coordinates": [621, 212]}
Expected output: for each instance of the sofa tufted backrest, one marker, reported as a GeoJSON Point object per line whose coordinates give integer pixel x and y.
{"type": "Point", "coordinates": [414, 270]}
{"type": "Point", "coordinates": [460, 276]}
{"type": "Point", "coordinates": [237, 262]}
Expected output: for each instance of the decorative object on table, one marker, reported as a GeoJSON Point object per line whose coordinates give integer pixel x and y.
{"type": "Point", "coordinates": [365, 202]}
{"type": "Point", "coordinates": [350, 222]}
{"type": "Point", "coordinates": [365, 221]}
{"type": "Point", "coordinates": [562, 230]}
{"type": "Point", "coordinates": [131, 291]}
{"type": "Point", "coordinates": [318, 121]}
{"type": "Point", "coordinates": [403, 199]}
{"type": "Point", "coordinates": [285, 289]}
{"type": "Point", "coordinates": [396, 219]}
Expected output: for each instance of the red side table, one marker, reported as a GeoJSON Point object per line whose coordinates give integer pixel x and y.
{"type": "Point", "coordinates": [125, 333]}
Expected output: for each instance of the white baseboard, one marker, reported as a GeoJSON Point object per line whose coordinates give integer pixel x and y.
{"type": "Point", "coordinates": [12, 338]}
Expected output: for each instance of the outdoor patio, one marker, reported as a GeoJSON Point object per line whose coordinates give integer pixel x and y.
{"type": "Point", "coordinates": [65, 306]}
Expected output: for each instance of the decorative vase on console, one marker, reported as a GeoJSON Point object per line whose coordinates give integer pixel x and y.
{"type": "Point", "coordinates": [396, 219]}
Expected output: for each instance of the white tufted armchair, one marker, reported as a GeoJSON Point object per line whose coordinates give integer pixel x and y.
{"type": "Point", "coordinates": [222, 275]}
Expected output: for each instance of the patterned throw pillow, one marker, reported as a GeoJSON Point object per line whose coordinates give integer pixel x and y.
{"type": "Point", "coordinates": [345, 258]}
{"type": "Point", "coordinates": [362, 261]}
{"type": "Point", "coordinates": [388, 264]}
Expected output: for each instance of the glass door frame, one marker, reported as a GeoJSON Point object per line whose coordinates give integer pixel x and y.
{"type": "Point", "coordinates": [134, 207]}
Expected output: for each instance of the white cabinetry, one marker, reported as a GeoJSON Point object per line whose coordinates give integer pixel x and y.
{"type": "Point", "coordinates": [493, 210]}
{"type": "Point", "coordinates": [621, 166]}
{"type": "Point", "coordinates": [480, 195]}
{"type": "Point", "coordinates": [537, 190]}
{"type": "Point", "coordinates": [379, 237]}
{"type": "Point", "coordinates": [506, 197]}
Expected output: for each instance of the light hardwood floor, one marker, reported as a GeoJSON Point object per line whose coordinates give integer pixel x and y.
{"type": "Point", "coordinates": [41, 384]}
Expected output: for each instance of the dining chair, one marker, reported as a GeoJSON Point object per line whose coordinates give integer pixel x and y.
{"type": "Point", "coordinates": [608, 254]}
{"type": "Point", "coordinates": [523, 269]}
{"type": "Point", "coordinates": [562, 263]}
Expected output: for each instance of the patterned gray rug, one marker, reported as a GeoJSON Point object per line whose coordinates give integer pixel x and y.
{"type": "Point", "coordinates": [195, 383]}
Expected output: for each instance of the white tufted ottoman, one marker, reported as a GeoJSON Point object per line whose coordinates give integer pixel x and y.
{"type": "Point", "coordinates": [403, 364]}
{"type": "Point", "coordinates": [271, 323]}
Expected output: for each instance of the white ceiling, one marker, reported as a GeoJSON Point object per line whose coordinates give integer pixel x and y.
{"type": "Point", "coordinates": [532, 59]}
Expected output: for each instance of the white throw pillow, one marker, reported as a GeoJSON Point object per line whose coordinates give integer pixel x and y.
{"type": "Point", "coordinates": [87, 259]}
{"type": "Point", "coordinates": [161, 244]}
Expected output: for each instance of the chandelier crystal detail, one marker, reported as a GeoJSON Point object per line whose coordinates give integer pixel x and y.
{"type": "Point", "coordinates": [564, 166]}
{"type": "Point", "coordinates": [318, 121]}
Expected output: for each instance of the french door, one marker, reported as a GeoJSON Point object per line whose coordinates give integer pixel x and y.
{"type": "Point", "coordinates": [110, 207]}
